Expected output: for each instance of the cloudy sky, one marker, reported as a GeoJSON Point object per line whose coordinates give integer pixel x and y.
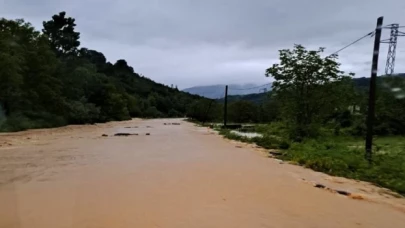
{"type": "Point", "coordinates": [191, 42]}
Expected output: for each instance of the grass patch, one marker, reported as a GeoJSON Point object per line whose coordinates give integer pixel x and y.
{"type": "Point", "coordinates": [338, 155]}
{"type": "Point", "coordinates": [267, 141]}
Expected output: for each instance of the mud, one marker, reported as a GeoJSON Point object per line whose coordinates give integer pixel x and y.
{"type": "Point", "coordinates": [179, 176]}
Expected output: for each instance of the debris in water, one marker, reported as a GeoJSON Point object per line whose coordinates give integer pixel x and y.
{"type": "Point", "coordinates": [238, 146]}
{"type": "Point", "coordinates": [356, 196]}
{"type": "Point", "coordinates": [124, 134]}
{"type": "Point", "coordinates": [147, 133]}
{"type": "Point", "coordinates": [175, 123]}
{"type": "Point", "coordinates": [319, 186]}
{"type": "Point", "coordinates": [104, 135]}
{"type": "Point", "coordinates": [275, 153]}
{"type": "Point", "coordinates": [343, 192]}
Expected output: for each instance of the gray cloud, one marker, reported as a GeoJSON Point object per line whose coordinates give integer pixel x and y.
{"type": "Point", "coordinates": [190, 43]}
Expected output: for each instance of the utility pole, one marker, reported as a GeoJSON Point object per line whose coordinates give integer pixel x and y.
{"type": "Point", "coordinates": [261, 113]}
{"type": "Point", "coordinates": [208, 109]}
{"type": "Point", "coordinates": [371, 99]}
{"type": "Point", "coordinates": [225, 105]}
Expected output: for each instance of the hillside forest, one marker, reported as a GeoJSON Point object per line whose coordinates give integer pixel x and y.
{"type": "Point", "coordinates": [48, 80]}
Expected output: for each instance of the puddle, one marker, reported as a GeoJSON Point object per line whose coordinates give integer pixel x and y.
{"type": "Point", "coordinates": [247, 134]}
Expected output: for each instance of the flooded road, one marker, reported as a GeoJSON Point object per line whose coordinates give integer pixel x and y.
{"type": "Point", "coordinates": [179, 176]}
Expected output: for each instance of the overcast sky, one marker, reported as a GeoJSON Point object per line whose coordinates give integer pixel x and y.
{"type": "Point", "coordinates": [191, 42]}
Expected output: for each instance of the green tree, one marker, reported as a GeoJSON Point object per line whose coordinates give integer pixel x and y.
{"type": "Point", "coordinates": [269, 109]}
{"type": "Point", "coordinates": [61, 33]}
{"type": "Point", "coordinates": [309, 88]}
{"type": "Point", "coordinates": [390, 106]}
{"type": "Point", "coordinates": [243, 112]}
{"type": "Point", "coordinates": [204, 110]}
{"type": "Point", "coordinates": [13, 38]}
{"type": "Point", "coordinates": [46, 81]}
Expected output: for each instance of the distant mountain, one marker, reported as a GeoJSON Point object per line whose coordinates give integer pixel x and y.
{"type": "Point", "coordinates": [218, 91]}
{"type": "Point", "coordinates": [365, 82]}
{"type": "Point", "coordinates": [256, 98]}
{"type": "Point", "coordinates": [361, 83]}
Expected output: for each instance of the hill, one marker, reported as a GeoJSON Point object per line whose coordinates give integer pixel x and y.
{"type": "Point", "coordinates": [256, 98]}
{"type": "Point", "coordinates": [217, 91]}
{"type": "Point", "coordinates": [47, 80]}
{"type": "Point", "coordinates": [361, 83]}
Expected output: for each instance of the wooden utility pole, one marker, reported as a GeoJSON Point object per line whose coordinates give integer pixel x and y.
{"type": "Point", "coordinates": [371, 99]}
{"type": "Point", "coordinates": [225, 105]}
{"type": "Point", "coordinates": [208, 110]}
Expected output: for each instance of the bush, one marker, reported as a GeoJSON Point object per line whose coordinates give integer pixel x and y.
{"type": "Point", "coordinates": [24, 121]}
{"type": "Point", "coordinates": [267, 142]}
{"type": "Point", "coordinates": [337, 158]}
{"type": "Point", "coordinates": [174, 113]}
{"type": "Point", "coordinates": [284, 145]}
{"type": "Point", "coordinates": [81, 113]}
{"type": "Point", "coordinates": [152, 112]}
{"type": "Point", "coordinates": [340, 156]}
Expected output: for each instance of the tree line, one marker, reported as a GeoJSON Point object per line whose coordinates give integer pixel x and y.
{"type": "Point", "coordinates": [48, 80]}
{"type": "Point", "coordinates": [310, 94]}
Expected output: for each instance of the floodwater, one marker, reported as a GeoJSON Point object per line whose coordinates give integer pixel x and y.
{"type": "Point", "coordinates": [179, 176]}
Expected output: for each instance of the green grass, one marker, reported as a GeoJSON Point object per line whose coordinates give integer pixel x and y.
{"type": "Point", "coordinates": [338, 155]}
{"type": "Point", "coordinates": [267, 141]}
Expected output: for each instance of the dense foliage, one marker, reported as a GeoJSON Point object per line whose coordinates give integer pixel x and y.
{"type": "Point", "coordinates": [318, 119]}
{"type": "Point", "coordinates": [309, 87]}
{"type": "Point", "coordinates": [310, 93]}
{"type": "Point", "coordinates": [46, 80]}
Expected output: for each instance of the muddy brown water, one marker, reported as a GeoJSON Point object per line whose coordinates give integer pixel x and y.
{"type": "Point", "coordinates": [178, 176]}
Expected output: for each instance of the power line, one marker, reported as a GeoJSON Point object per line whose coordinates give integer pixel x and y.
{"type": "Point", "coordinates": [389, 26]}
{"type": "Point", "coordinates": [368, 34]}
{"type": "Point", "coordinates": [336, 52]}
{"type": "Point", "coordinates": [352, 43]}
{"type": "Point", "coordinates": [252, 87]}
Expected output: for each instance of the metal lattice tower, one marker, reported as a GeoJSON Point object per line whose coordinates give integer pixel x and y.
{"type": "Point", "coordinates": [392, 41]}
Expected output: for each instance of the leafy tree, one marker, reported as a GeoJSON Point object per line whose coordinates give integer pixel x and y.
{"type": "Point", "coordinates": [46, 81]}
{"type": "Point", "coordinates": [204, 110]}
{"type": "Point", "coordinates": [152, 112]}
{"type": "Point", "coordinates": [174, 113]}
{"type": "Point", "coordinates": [61, 33]}
{"type": "Point", "coordinates": [94, 57]}
{"type": "Point", "coordinates": [308, 87]}
{"type": "Point", "coordinates": [243, 112]}
{"type": "Point", "coordinates": [390, 107]}
{"type": "Point", "coordinates": [12, 61]}
{"type": "Point", "coordinates": [269, 109]}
